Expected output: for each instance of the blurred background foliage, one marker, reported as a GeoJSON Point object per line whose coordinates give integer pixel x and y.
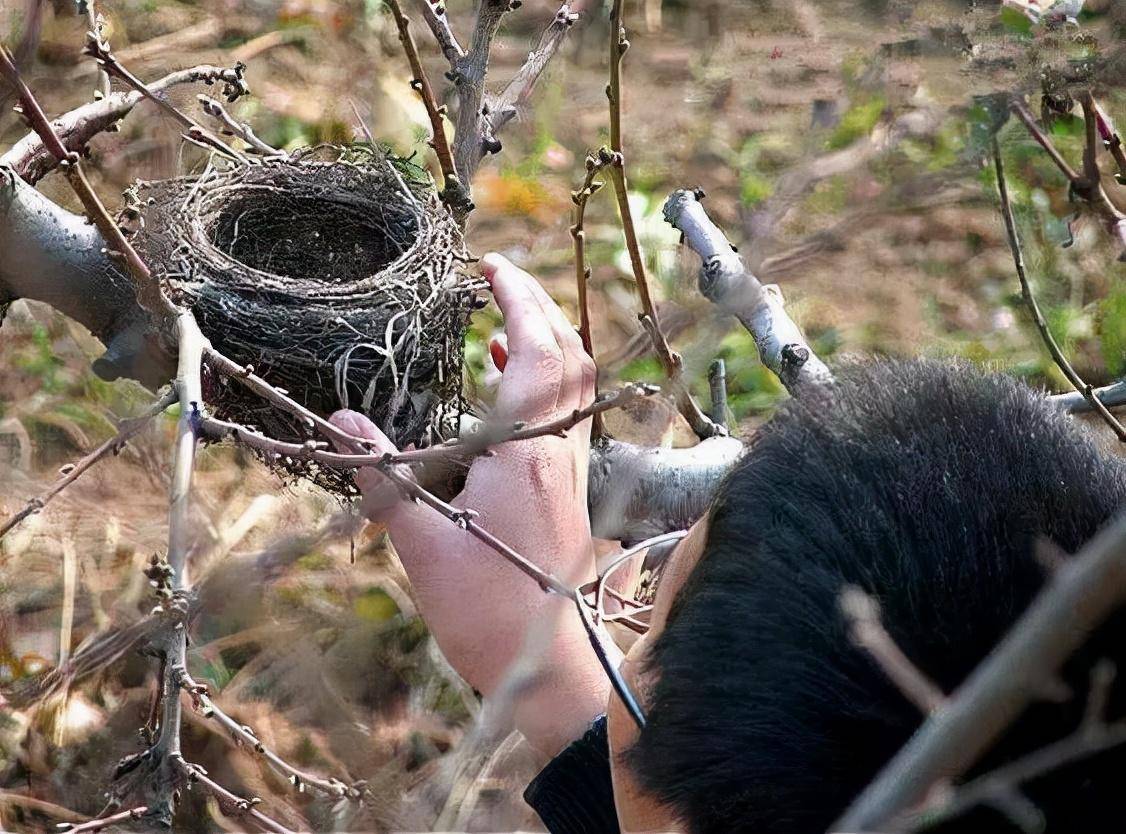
{"type": "Point", "coordinates": [899, 252]}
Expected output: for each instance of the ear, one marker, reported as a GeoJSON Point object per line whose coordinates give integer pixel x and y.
{"type": "Point", "coordinates": [638, 813]}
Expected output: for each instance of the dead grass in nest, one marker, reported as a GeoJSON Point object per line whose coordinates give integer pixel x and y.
{"type": "Point", "coordinates": [336, 273]}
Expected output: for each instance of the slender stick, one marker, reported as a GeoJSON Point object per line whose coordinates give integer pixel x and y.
{"type": "Point", "coordinates": [1077, 600]}
{"type": "Point", "coordinates": [104, 822]}
{"type": "Point", "coordinates": [1026, 290]}
{"type": "Point", "coordinates": [406, 483]}
{"type": "Point", "coordinates": [231, 804]}
{"type": "Point", "coordinates": [453, 191]}
{"type": "Point", "coordinates": [670, 361]}
{"type": "Point", "coordinates": [244, 736]}
{"type": "Point", "coordinates": [863, 615]}
{"type": "Point", "coordinates": [31, 160]}
{"type": "Point", "coordinates": [235, 128]}
{"type": "Point", "coordinates": [127, 431]}
{"type": "Point", "coordinates": [105, 86]}
{"type": "Point", "coordinates": [192, 128]}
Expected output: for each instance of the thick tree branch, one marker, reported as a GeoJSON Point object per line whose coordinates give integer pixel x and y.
{"type": "Point", "coordinates": [637, 492]}
{"type": "Point", "coordinates": [149, 294]}
{"type": "Point", "coordinates": [726, 282]}
{"type": "Point", "coordinates": [469, 73]}
{"type": "Point", "coordinates": [1078, 598]}
{"type": "Point", "coordinates": [32, 161]}
{"type": "Point", "coordinates": [1075, 402]}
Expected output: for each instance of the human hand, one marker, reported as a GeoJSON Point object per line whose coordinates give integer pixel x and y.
{"type": "Point", "coordinates": [531, 494]}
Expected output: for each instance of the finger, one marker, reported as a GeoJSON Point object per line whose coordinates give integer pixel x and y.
{"type": "Point", "coordinates": [565, 333]}
{"type": "Point", "coordinates": [379, 492]}
{"type": "Point", "coordinates": [530, 332]}
{"type": "Point", "coordinates": [498, 350]}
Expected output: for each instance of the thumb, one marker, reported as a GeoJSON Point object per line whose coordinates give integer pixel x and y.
{"type": "Point", "coordinates": [379, 493]}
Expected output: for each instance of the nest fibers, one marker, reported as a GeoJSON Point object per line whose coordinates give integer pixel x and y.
{"type": "Point", "coordinates": [338, 280]}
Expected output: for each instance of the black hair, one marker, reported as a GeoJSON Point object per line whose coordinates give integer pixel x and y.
{"type": "Point", "coordinates": [929, 486]}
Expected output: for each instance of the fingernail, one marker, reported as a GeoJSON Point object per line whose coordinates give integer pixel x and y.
{"type": "Point", "coordinates": [347, 421]}
{"type": "Point", "coordinates": [490, 263]}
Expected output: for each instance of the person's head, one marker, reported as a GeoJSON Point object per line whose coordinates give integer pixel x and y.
{"type": "Point", "coordinates": [928, 486]}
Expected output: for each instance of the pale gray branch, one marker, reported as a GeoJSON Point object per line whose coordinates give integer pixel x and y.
{"type": "Point", "coordinates": [31, 160]}
{"type": "Point", "coordinates": [726, 282]}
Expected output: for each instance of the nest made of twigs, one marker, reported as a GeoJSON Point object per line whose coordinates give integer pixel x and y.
{"type": "Point", "coordinates": [340, 280]}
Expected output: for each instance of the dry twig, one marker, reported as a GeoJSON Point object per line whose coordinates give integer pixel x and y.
{"type": "Point", "coordinates": [1026, 291]}
{"type": "Point", "coordinates": [1077, 599]}
{"type": "Point", "coordinates": [128, 430]}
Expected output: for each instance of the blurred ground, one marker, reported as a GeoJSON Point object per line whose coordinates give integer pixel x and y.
{"type": "Point", "coordinates": [900, 252]}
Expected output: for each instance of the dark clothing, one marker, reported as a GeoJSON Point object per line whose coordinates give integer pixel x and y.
{"type": "Point", "coordinates": [574, 793]}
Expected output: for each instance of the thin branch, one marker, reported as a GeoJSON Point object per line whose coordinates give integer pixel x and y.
{"type": "Point", "coordinates": [230, 804]}
{"type": "Point", "coordinates": [171, 641]}
{"type": "Point", "coordinates": [32, 161]}
{"type": "Point", "coordinates": [725, 280]}
{"type": "Point", "coordinates": [1077, 599]}
{"type": "Point", "coordinates": [127, 431]}
{"type": "Point", "coordinates": [1026, 290]}
{"type": "Point", "coordinates": [149, 294]}
{"type": "Point", "coordinates": [862, 613]}
{"type": "Point", "coordinates": [465, 519]}
{"type": "Point", "coordinates": [94, 21]}
{"type": "Point", "coordinates": [580, 197]}
{"type": "Point", "coordinates": [454, 193]}
{"type": "Point", "coordinates": [98, 824]}
{"type": "Point", "coordinates": [670, 361]}
{"type": "Point", "coordinates": [192, 128]}
{"type": "Point", "coordinates": [613, 672]}
{"type": "Point", "coordinates": [1110, 138]}
{"type": "Point", "coordinates": [244, 736]}
{"type": "Point", "coordinates": [595, 164]}
{"type": "Point", "coordinates": [438, 19]}
{"type": "Point", "coordinates": [231, 127]}
{"type": "Point", "coordinates": [1087, 186]}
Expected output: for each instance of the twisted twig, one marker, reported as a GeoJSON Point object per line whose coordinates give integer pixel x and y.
{"type": "Point", "coordinates": [244, 736]}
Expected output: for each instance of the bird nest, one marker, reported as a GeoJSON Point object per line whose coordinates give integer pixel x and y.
{"type": "Point", "coordinates": [338, 279]}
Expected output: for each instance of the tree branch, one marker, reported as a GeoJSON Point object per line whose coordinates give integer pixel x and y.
{"type": "Point", "coordinates": [1077, 599]}
{"type": "Point", "coordinates": [670, 361]}
{"type": "Point", "coordinates": [1026, 290]}
{"type": "Point", "coordinates": [454, 192]}
{"type": "Point", "coordinates": [244, 736]}
{"type": "Point", "coordinates": [234, 128]}
{"type": "Point", "coordinates": [725, 281]}
{"type": "Point", "coordinates": [149, 294]}
{"type": "Point", "coordinates": [469, 73]}
{"type": "Point", "coordinates": [1087, 186]}
{"type": "Point", "coordinates": [438, 19]}
{"type": "Point", "coordinates": [192, 129]}
{"type": "Point", "coordinates": [127, 431]}
{"type": "Point", "coordinates": [32, 161]}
